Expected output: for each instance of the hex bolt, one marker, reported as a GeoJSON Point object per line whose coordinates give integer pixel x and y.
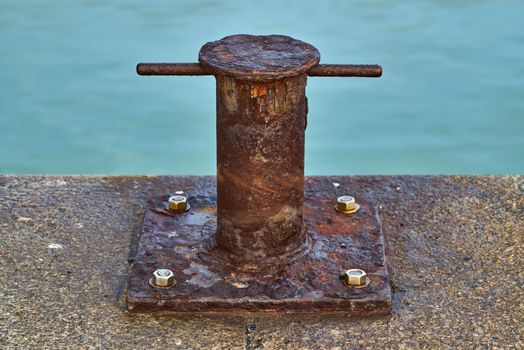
{"type": "Point", "coordinates": [346, 205]}
{"type": "Point", "coordinates": [162, 278]}
{"type": "Point", "coordinates": [177, 203]}
{"type": "Point", "coordinates": [355, 278]}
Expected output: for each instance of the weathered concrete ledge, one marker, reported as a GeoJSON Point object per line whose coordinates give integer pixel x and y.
{"type": "Point", "coordinates": [456, 252]}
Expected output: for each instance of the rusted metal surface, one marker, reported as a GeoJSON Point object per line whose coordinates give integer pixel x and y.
{"type": "Point", "coordinates": [258, 246]}
{"type": "Point", "coordinates": [319, 70]}
{"type": "Point", "coordinates": [309, 281]}
{"type": "Point", "coordinates": [346, 70]}
{"type": "Point", "coordinates": [258, 57]}
{"type": "Point", "coordinates": [260, 165]}
{"type": "Point", "coordinates": [261, 113]}
{"type": "Point", "coordinates": [171, 69]}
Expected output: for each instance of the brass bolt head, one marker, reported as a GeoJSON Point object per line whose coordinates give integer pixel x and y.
{"type": "Point", "coordinates": [177, 203]}
{"type": "Point", "coordinates": [355, 277]}
{"type": "Point", "coordinates": [347, 205]}
{"type": "Point", "coordinates": [163, 278]}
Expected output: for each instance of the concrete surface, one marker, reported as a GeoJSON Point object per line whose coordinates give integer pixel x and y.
{"type": "Point", "coordinates": [455, 251]}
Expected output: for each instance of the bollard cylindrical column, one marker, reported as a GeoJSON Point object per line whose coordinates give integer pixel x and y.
{"type": "Point", "coordinates": [261, 119]}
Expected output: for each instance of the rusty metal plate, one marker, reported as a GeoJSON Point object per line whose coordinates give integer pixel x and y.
{"type": "Point", "coordinates": [208, 280]}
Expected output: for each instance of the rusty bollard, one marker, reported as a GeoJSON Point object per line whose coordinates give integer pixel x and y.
{"type": "Point", "coordinates": [261, 120]}
{"type": "Point", "coordinates": [269, 250]}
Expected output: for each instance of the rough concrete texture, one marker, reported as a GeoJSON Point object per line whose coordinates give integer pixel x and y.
{"type": "Point", "coordinates": [455, 252]}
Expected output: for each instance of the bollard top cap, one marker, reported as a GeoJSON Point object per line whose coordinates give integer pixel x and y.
{"type": "Point", "coordinates": [258, 57]}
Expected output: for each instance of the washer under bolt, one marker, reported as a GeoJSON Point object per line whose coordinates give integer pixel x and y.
{"type": "Point", "coordinates": [346, 205]}
{"type": "Point", "coordinates": [162, 278]}
{"type": "Point", "coordinates": [177, 203]}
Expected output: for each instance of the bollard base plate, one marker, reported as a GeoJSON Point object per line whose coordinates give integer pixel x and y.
{"type": "Point", "coordinates": [207, 280]}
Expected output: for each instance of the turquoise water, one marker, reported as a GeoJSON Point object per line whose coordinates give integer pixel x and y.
{"type": "Point", "coordinates": [451, 99]}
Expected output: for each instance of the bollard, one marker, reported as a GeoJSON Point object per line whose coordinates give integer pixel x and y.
{"type": "Point", "coordinates": [260, 227]}
{"type": "Point", "coordinates": [261, 118]}
{"type": "Point", "coordinates": [261, 115]}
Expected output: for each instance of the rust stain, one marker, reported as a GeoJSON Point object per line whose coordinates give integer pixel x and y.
{"type": "Point", "coordinates": [258, 90]}
{"type": "Point", "coordinates": [260, 157]}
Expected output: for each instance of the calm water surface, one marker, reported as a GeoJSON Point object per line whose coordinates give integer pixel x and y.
{"type": "Point", "coordinates": [451, 99]}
